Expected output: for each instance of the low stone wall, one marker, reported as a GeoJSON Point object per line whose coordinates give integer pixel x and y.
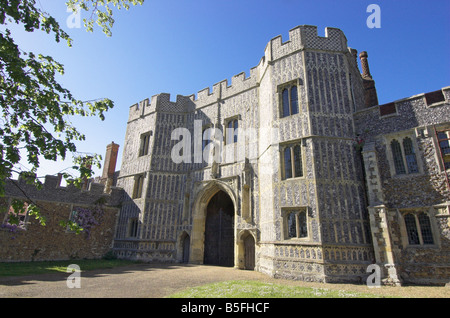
{"type": "Point", "coordinates": [36, 242]}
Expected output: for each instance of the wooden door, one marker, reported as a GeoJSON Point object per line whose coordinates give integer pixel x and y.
{"type": "Point", "coordinates": [219, 231]}
{"type": "Point", "coordinates": [249, 252]}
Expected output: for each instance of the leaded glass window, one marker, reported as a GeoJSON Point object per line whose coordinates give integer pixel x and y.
{"type": "Point", "coordinates": [289, 100]}
{"type": "Point", "coordinates": [292, 225]}
{"type": "Point", "coordinates": [296, 223]}
{"type": "Point", "coordinates": [410, 155]}
{"type": "Point", "coordinates": [398, 157]}
{"type": "Point", "coordinates": [298, 169]}
{"type": "Point", "coordinates": [292, 161]}
{"type": "Point", "coordinates": [425, 229]}
{"type": "Point", "coordinates": [294, 100]}
{"type": "Point", "coordinates": [303, 228]}
{"type": "Point", "coordinates": [411, 229]}
{"type": "Point", "coordinates": [285, 101]}
{"type": "Point", "coordinates": [287, 163]}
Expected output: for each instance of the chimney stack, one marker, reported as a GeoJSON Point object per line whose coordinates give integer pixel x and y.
{"type": "Point", "coordinates": [365, 65]}
{"type": "Point", "coordinates": [109, 167]}
{"type": "Point", "coordinates": [370, 92]}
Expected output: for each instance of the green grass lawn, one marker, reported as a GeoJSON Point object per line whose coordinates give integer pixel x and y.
{"type": "Point", "coordinates": [254, 289]}
{"type": "Point", "coordinates": [33, 268]}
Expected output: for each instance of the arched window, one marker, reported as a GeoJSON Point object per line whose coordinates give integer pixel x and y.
{"type": "Point", "coordinates": [289, 100]}
{"type": "Point", "coordinates": [296, 223]}
{"type": "Point", "coordinates": [293, 165]}
{"type": "Point", "coordinates": [411, 229]}
{"type": "Point", "coordinates": [138, 185]}
{"type": "Point", "coordinates": [232, 131]}
{"type": "Point", "coordinates": [410, 155]}
{"type": "Point", "coordinates": [425, 229]}
{"type": "Point", "coordinates": [145, 142]}
{"type": "Point", "coordinates": [398, 157]}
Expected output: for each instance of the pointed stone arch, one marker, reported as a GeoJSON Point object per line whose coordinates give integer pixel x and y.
{"type": "Point", "coordinates": [183, 247]}
{"type": "Point", "coordinates": [203, 195]}
{"type": "Point", "coordinates": [246, 258]}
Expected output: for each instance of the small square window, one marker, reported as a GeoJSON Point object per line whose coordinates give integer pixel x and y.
{"type": "Point", "coordinates": [418, 228]}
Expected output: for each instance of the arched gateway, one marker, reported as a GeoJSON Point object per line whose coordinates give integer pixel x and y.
{"type": "Point", "coordinates": [219, 231]}
{"type": "Point", "coordinates": [213, 230]}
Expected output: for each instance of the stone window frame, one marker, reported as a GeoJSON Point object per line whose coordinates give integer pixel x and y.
{"type": "Point", "coordinates": [145, 144]}
{"type": "Point", "coordinates": [230, 149]}
{"type": "Point", "coordinates": [132, 228]}
{"type": "Point", "coordinates": [286, 213]}
{"type": "Point", "coordinates": [400, 137]}
{"type": "Point", "coordinates": [292, 145]}
{"type": "Point", "coordinates": [288, 86]}
{"type": "Point", "coordinates": [25, 221]}
{"type": "Point", "coordinates": [138, 186]}
{"type": "Point", "coordinates": [416, 213]}
{"type": "Point", "coordinates": [235, 120]}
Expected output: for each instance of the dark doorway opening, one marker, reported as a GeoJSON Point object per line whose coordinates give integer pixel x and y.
{"type": "Point", "coordinates": [219, 231]}
{"type": "Point", "coordinates": [186, 248]}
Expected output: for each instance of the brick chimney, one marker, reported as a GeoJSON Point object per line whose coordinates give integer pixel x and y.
{"type": "Point", "coordinates": [370, 92]}
{"type": "Point", "coordinates": [109, 167]}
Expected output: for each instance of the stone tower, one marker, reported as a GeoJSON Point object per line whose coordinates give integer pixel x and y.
{"type": "Point", "coordinates": [269, 178]}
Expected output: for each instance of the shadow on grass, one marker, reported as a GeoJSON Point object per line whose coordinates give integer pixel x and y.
{"type": "Point", "coordinates": [126, 267]}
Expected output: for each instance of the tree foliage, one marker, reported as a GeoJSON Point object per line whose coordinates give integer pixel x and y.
{"type": "Point", "coordinates": [35, 108]}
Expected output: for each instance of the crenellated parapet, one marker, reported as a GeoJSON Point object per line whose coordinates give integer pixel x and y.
{"type": "Point", "coordinates": [162, 103]}
{"type": "Point", "coordinates": [53, 191]}
{"type": "Point", "coordinates": [300, 38]}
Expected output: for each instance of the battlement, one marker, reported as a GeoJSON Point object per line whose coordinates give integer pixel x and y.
{"type": "Point", "coordinates": [300, 38]}
{"type": "Point", "coordinates": [161, 102]}
{"type": "Point", "coordinates": [53, 191]}
{"type": "Point", "coordinates": [306, 37]}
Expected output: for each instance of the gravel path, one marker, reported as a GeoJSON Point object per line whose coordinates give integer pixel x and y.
{"type": "Point", "coordinates": [156, 281]}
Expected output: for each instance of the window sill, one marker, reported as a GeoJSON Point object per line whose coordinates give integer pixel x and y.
{"type": "Point", "coordinates": [424, 246]}
{"type": "Point", "coordinates": [289, 116]}
{"type": "Point", "coordinates": [437, 104]}
{"type": "Point", "coordinates": [294, 179]}
{"type": "Point", "coordinates": [296, 240]}
{"type": "Point", "coordinates": [407, 175]}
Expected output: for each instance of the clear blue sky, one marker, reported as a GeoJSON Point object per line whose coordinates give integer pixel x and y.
{"type": "Point", "coordinates": [181, 47]}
